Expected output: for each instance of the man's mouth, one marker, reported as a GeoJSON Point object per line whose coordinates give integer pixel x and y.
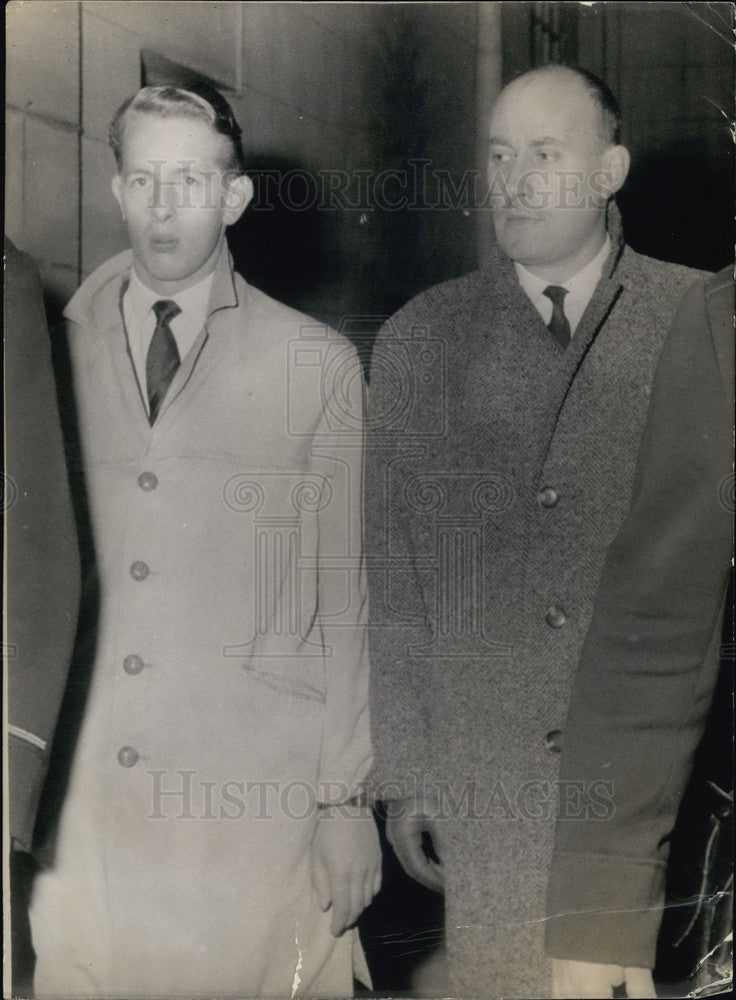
{"type": "Point", "coordinates": [520, 215]}
{"type": "Point", "coordinates": [164, 244]}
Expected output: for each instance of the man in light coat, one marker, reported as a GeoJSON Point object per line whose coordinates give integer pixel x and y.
{"type": "Point", "coordinates": [211, 815]}
{"type": "Point", "coordinates": [506, 410]}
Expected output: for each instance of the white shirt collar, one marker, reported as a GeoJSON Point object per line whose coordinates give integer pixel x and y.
{"type": "Point", "coordinates": [580, 287]}
{"type": "Point", "coordinates": [193, 302]}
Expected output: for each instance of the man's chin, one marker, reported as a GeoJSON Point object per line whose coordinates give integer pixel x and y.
{"type": "Point", "coordinates": [522, 247]}
{"type": "Point", "coordinates": [162, 276]}
{"type": "Point", "coordinates": [167, 270]}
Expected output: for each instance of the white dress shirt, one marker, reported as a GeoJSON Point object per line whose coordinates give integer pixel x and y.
{"type": "Point", "coordinates": [580, 288]}
{"type": "Point", "coordinates": [140, 320]}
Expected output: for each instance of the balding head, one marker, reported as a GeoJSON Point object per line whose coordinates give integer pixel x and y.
{"type": "Point", "coordinates": [574, 84]}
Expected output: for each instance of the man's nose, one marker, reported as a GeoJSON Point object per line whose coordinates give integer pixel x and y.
{"type": "Point", "coordinates": [164, 200]}
{"type": "Point", "coordinates": [503, 179]}
{"type": "Point", "coordinates": [530, 184]}
{"type": "Point", "coordinates": [514, 174]}
{"type": "Point", "coordinates": [516, 179]}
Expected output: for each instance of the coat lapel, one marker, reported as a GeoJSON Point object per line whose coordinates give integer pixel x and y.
{"type": "Point", "coordinates": [512, 365]}
{"type": "Point", "coordinates": [122, 397]}
{"type": "Point", "coordinates": [222, 296]}
{"type": "Point", "coordinates": [101, 316]}
{"type": "Point", "coordinates": [604, 299]}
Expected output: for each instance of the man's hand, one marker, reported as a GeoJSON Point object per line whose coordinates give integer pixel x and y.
{"type": "Point", "coordinates": [593, 980]}
{"type": "Point", "coordinates": [407, 821]}
{"type": "Point", "coordinates": [346, 863]}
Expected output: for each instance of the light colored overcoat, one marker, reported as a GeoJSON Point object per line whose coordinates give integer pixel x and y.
{"type": "Point", "coordinates": [228, 694]}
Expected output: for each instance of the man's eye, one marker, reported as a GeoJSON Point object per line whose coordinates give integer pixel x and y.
{"type": "Point", "coordinates": [191, 181]}
{"type": "Point", "coordinates": [138, 181]}
{"type": "Point", "coordinates": [546, 155]}
{"type": "Point", "coordinates": [499, 156]}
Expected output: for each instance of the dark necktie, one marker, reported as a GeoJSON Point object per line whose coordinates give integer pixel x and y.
{"type": "Point", "coordinates": [162, 359]}
{"type": "Point", "coordinates": [559, 325]}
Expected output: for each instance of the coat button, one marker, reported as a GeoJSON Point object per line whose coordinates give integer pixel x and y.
{"type": "Point", "coordinates": [132, 664]}
{"type": "Point", "coordinates": [555, 616]}
{"type": "Point", "coordinates": [147, 481]}
{"type": "Point", "coordinates": [139, 570]}
{"type": "Point", "coordinates": [547, 497]}
{"type": "Point", "coordinates": [127, 756]}
{"type": "Point", "coordinates": [552, 739]}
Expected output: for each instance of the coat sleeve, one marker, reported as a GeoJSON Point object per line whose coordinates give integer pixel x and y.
{"type": "Point", "coordinates": [342, 599]}
{"type": "Point", "coordinates": [400, 687]}
{"type": "Point", "coordinates": [43, 575]}
{"type": "Point", "coordinates": [649, 664]}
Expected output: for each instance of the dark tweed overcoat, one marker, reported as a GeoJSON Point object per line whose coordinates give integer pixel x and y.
{"type": "Point", "coordinates": [499, 468]}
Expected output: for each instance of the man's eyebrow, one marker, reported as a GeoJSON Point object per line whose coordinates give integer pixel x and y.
{"type": "Point", "coordinates": [182, 167]}
{"type": "Point", "coordinates": [545, 140]}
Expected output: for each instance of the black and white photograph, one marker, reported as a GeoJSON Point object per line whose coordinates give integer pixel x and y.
{"type": "Point", "coordinates": [368, 500]}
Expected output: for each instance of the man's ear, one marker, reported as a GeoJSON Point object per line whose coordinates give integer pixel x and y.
{"type": "Point", "coordinates": [117, 190]}
{"type": "Point", "coordinates": [616, 162]}
{"type": "Point", "coordinates": [237, 194]}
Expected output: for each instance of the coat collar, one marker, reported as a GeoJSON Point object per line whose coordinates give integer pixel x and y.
{"type": "Point", "coordinates": [90, 305]}
{"type": "Point", "coordinates": [96, 307]}
{"type": "Point", "coordinates": [503, 297]}
{"type": "Point", "coordinates": [620, 271]}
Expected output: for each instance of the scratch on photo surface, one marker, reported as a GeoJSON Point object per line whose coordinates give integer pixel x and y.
{"type": "Point", "coordinates": [731, 126]}
{"type": "Point", "coordinates": [299, 963]}
{"type": "Point", "coordinates": [568, 913]}
{"type": "Point", "coordinates": [721, 27]}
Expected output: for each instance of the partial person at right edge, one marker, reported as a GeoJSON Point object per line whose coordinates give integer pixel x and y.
{"type": "Point", "coordinates": [649, 664]}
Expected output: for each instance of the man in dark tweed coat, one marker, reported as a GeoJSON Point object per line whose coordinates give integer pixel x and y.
{"type": "Point", "coordinates": [506, 410]}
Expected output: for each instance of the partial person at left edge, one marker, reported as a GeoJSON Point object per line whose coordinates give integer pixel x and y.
{"type": "Point", "coordinates": [43, 569]}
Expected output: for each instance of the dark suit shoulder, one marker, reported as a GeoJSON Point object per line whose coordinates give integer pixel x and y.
{"type": "Point", "coordinates": [704, 322]}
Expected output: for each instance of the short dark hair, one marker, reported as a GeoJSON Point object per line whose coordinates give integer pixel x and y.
{"type": "Point", "coordinates": [195, 100]}
{"type": "Point", "coordinates": [609, 112]}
